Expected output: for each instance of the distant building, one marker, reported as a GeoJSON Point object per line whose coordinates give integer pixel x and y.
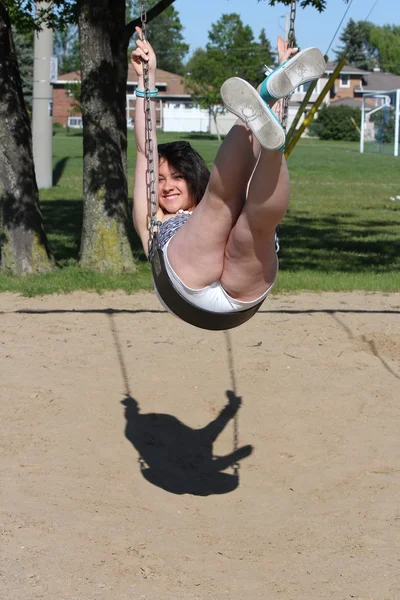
{"type": "Point", "coordinates": [353, 83]}
{"type": "Point", "coordinates": [170, 93]}
{"type": "Point", "coordinates": [177, 112]}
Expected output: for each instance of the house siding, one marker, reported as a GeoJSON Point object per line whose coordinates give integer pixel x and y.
{"type": "Point", "coordinates": [170, 87]}
{"type": "Point", "coordinates": [62, 105]}
{"type": "Point", "coordinates": [346, 92]}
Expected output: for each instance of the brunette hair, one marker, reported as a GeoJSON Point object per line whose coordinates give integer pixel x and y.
{"type": "Point", "coordinates": [188, 163]}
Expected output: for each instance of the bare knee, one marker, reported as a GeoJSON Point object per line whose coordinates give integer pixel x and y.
{"type": "Point", "coordinates": [265, 218]}
{"type": "Point", "coordinates": [246, 244]}
{"type": "Point", "coordinates": [250, 264]}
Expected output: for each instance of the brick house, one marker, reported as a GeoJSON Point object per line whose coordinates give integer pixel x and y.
{"type": "Point", "coordinates": [350, 79]}
{"type": "Point", "coordinates": [170, 92]}
{"type": "Point", "coordinates": [353, 83]}
{"type": "Point", "coordinates": [62, 100]}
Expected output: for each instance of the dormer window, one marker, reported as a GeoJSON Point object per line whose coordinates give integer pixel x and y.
{"type": "Point", "coordinates": [344, 81]}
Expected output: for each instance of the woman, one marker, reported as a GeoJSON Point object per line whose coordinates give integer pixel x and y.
{"type": "Point", "coordinates": [218, 233]}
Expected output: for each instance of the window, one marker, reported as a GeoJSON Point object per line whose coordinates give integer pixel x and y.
{"type": "Point", "coordinates": [302, 89]}
{"type": "Point", "coordinates": [344, 81]}
{"type": "Point", "coordinates": [75, 122]}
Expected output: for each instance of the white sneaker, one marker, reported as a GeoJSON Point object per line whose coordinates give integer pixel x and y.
{"type": "Point", "coordinates": [243, 100]}
{"type": "Point", "coordinates": [307, 65]}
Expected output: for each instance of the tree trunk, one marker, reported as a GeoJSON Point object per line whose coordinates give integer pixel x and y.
{"type": "Point", "coordinates": [106, 223]}
{"type": "Point", "coordinates": [214, 113]}
{"type": "Point", "coordinates": [24, 247]}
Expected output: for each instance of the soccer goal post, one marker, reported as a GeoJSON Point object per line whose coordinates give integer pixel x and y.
{"type": "Point", "coordinates": [381, 128]}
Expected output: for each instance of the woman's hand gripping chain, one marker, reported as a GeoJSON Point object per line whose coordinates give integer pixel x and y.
{"type": "Point", "coordinates": [143, 53]}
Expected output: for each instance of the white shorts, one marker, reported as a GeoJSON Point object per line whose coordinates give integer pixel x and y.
{"type": "Point", "coordinates": [212, 297]}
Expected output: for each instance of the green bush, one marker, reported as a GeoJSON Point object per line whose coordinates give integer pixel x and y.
{"type": "Point", "coordinates": [336, 123]}
{"type": "Point", "coordinates": [58, 128]}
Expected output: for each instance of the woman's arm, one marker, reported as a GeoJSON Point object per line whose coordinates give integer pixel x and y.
{"type": "Point", "coordinates": [143, 53]}
{"type": "Point", "coordinates": [284, 51]}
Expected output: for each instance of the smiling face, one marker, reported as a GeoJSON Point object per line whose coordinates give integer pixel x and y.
{"type": "Point", "coordinates": [173, 192]}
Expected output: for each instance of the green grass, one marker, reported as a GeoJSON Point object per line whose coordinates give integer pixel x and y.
{"type": "Point", "coordinates": [342, 229]}
{"type": "Point", "coordinates": [341, 233]}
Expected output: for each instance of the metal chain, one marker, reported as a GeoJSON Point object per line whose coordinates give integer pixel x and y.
{"type": "Point", "coordinates": [290, 40]}
{"type": "Point", "coordinates": [292, 23]}
{"type": "Point", "coordinates": [228, 339]}
{"type": "Point", "coordinates": [149, 144]}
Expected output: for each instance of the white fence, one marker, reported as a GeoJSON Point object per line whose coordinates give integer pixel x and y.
{"type": "Point", "coordinates": [186, 118]}
{"type": "Point", "coordinates": [225, 120]}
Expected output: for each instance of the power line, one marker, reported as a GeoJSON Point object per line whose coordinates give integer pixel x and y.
{"type": "Point", "coordinates": [369, 14]}
{"type": "Point", "coordinates": [340, 24]}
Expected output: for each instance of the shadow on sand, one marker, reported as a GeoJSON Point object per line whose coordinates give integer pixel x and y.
{"type": "Point", "coordinates": [180, 459]}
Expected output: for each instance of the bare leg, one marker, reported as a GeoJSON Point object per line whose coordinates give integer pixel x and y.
{"type": "Point", "coordinates": [231, 235]}
{"type": "Point", "coordinates": [250, 263]}
{"type": "Point", "coordinates": [196, 252]}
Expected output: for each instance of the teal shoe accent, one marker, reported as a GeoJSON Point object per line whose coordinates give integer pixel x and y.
{"type": "Point", "coordinates": [264, 93]}
{"type": "Point", "coordinates": [308, 65]}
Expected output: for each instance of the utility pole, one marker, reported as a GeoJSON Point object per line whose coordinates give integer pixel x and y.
{"type": "Point", "coordinates": [287, 26]}
{"type": "Point", "coordinates": [42, 107]}
{"type": "Point", "coordinates": [397, 124]}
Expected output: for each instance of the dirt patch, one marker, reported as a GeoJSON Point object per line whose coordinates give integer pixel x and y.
{"type": "Point", "coordinates": [119, 445]}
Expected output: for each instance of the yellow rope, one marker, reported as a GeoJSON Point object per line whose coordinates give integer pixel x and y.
{"type": "Point", "coordinates": [307, 120]}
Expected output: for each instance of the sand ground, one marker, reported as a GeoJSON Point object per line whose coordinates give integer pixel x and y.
{"type": "Point", "coordinates": [112, 422]}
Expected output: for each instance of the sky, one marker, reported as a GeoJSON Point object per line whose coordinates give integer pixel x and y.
{"type": "Point", "coordinates": [312, 28]}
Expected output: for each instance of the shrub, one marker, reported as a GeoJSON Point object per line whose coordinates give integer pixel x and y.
{"type": "Point", "coordinates": [57, 128]}
{"type": "Point", "coordinates": [335, 123]}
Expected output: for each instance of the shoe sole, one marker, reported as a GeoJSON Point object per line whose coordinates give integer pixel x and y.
{"type": "Point", "coordinates": [307, 65]}
{"type": "Point", "coordinates": [242, 100]}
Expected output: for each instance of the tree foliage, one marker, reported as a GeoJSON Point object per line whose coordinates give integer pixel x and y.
{"type": "Point", "coordinates": [267, 55]}
{"type": "Point", "coordinates": [231, 51]}
{"type": "Point", "coordinates": [166, 35]}
{"type": "Point", "coordinates": [201, 79]}
{"type": "Point", "coordinates": [385, 42]}
{"type": "Point", "coordinates": [66, 48]}
{"type": "Point", "coordinates": [29, 15]}
{"type": "Point", "coordinates": [355, 45]}
{"type": "Point", "coordinates": [320, 5]}
{"type": "Point", "coordinates": [336, 123]}
{"type": "Point", "coordinates": [24, 51]}
{"type": "Point", "coordinates": [367, 46]}
{"type": "Point", "coordinates": [234, 50]}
